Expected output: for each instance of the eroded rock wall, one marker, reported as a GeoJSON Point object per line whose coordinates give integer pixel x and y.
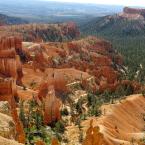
{"type": "Point", "coordinates": [9, 74]}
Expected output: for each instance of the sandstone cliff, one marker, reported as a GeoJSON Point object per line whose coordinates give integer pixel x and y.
{"type": "Point", "coordinates": [133, 13]}
{"type": "Point", "coordinates": [9, 74]}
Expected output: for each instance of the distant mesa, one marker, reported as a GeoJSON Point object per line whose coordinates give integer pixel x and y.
{"type": "Point", "coordinates": [133, 13]}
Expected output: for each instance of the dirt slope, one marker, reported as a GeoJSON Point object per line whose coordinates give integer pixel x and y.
{"type": "Point", "coordinates": [4, 141]}
{"type": "Point", "coordinates": [120, 124]}
{"type": "Point", "coordinates": [123, 122]}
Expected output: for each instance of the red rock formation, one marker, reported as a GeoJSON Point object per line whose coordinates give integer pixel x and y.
{"type": "Point", "coordinates": [8, 48]}
{"type": "Point", "coordinates": [70, 29]}
{"type": "Point", "coordinates": [102, 55]}
{"type": "Point", "coordinates": [51, 103]}
{"type": "Point", "coordinates": [11, 42]}
{"type": "Point", "coordinates": [94, 137]}
{"type": "Point", "coordinates": [40, 142]}
{"type": "Point", "coordinates": [134, 86]}
{"type": "Point", "coordinates": [42, 32]}
{"type": "Point", "coordinates": [10, 69]}
{"type": "Point", "coordinates": [92, 55]}
{"type": "Point", "coordinates": [7, 86]}
{"type": "Point", "coordinates": [102, 60]}
{"type": "Point", "coordinates": [133, 11]}
{"type": "Point", "coordinates": [54, 142]}
{"type": "Point", "coordinates": [8, 53]}
{"type": "Point", "coordinates": [50, 92]}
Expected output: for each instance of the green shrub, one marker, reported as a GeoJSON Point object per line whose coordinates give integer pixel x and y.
{"type": "Point", "coordinates": [33, 123]}
{"type": "Point", "coordinates": [59, 126]}
{"type": "Point", "coordinates": [65, 112]}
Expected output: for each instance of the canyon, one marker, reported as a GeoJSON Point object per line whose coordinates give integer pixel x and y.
{"type": "Point", "coordinates": [57, 88]}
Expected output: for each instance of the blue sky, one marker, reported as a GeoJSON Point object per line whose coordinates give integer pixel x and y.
{"type": "Point", "coordinates": [111, 2]}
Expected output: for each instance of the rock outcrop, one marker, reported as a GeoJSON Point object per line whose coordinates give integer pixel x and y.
{"type": "Point", "coordinates": [91, 55]}
{"type": "Point", "coordinates": [49, 94]}
{"type": "Point", "coordinates": [54, 141]}
{"type": "Point", "coordinates": [10, 72]}
{"type": "Point", "coordinates": [133, 13]}
{"type": "Point", "coordinates": [52, 67]}
{"type": "Point", "coordinates": [91, 62]}
{"type": "Point", "coordinates": [51, 104]}
{"type": "Point", "coordinates": [9, 48]}
{"type": "Point", "coordinates": [94, 137]}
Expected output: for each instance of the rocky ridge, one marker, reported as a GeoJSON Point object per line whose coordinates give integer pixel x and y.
{"type": "Point", "coordinates": [133, 13]}
{"type": "Point", "coordinates": [42, 32]}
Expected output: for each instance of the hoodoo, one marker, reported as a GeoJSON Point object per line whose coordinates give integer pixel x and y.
{"type": "Point", "coordinates": [10, 73]}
